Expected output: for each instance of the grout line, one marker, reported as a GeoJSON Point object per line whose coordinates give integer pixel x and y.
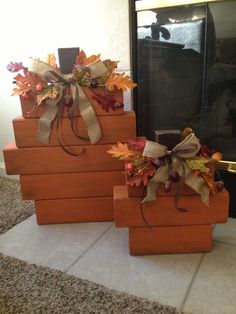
{"type": "Point", "coordinates": [86, 251]}
{"type": "Point", "coordinates": [191, 283]}
{"type": "Point", "coordinates": [224, 242]}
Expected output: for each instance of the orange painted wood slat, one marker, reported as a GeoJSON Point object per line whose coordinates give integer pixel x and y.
{"type": "Point", "coordinates": [46, 160]}
{"type": "Point", "coordinates": [175, 239]}
{"type": "Point", "coordinates": [162, 212]}
{"type": "Point", "coordinates": [70, 185]}
{"type": "Point", "coordinates": [74, 210]}
{"type": "Point", "coordinates": [114, 129]}
{"type": "Point", "coordinates": [28, 105]}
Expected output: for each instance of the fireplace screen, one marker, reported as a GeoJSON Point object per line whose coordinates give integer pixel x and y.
{"type": "Point", "coordinates": [185, 62]}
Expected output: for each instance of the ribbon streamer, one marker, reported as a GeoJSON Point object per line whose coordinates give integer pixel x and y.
{"type": "Point", "coordinates": [188, 148]}
{"type": "Point", "coordinates": [79, 99]}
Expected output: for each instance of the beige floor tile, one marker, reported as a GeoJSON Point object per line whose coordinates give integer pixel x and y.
{"type": "Point", "coordinates": [164, 278]}
{"type": "Point", "coordinates": [226, 233]}
{"type": "Point", "coordinates": [214, 288]}
{"type": "Point", "coordinates": [55, 246]}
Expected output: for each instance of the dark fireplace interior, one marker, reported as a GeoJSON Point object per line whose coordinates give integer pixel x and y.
{"type": "Point", "coordinates": [184, 62]}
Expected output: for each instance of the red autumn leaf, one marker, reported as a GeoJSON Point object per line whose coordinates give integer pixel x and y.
{"type": "Point", "coordinates": [107, 101]}
{"type": "Point", "coordinates": [142, 177]}
{"type": "Point", "coordinates": [137, 145]}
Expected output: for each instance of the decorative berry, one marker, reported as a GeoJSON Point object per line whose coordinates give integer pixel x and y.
{"type": "Point", "coordinates": [167, 186]}
{"type": "Point", "coordinates": [129, 167]}
{"type": "Point", "coordinates": [217, 156]}
{"type": "Point", "coordinates": [68, 101]}
{"type": "Point", "coordinates": [39, 87]}
{"type": "Point", "coordinates": [219, 185]}
{"type": "Point", "coordinates": [174, 176]}
{"type": "Point", "coordinates": [93, 83]}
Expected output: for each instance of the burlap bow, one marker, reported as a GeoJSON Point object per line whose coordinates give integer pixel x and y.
{"type": "Point", "coordinates": [80, 100]}
{"type": "Point", "coordinates": [188, 148]}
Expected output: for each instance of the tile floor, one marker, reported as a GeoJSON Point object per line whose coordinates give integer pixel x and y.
{"type": "Point", "coordinates": [195, 283]}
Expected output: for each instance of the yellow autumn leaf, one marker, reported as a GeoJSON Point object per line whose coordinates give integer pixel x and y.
{"type": "Point", "coordinates": [51, 60]}
{"type": "Point", "coordinates": [49, 92]}
{"type": "Point", "coordinates": [197, 163]}
{"type": "Point", "coordinates": [121, 151]}
{"type": "Point", "coordinates": [119, 81]}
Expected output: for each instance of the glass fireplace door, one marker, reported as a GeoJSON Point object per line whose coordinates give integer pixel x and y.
{"type": "Point", "coordinates": [185, 60]}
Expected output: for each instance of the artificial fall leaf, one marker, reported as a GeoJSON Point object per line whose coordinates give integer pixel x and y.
{"type": "Point", "coordinates": [107, 101]}
{"type": "Point", "coordinates": [110, 65]}
{"type": "Point", "coordinates": [197, 163]}
{"type": "Point", "coordinates": [143, 177]}
{"type": "Point", "coordinates": [48, 92]}
{"type": "Point", "coordinates": [92, 59]}
{"type": "Point", "coordinates": [82, 59]}
{"type": "Point", "coordinates": [16, 67]}
{"type": "Point", "coordinates": [137, 145]}
{"type": "Point", "coordinates": [119, 81]}
{"type": "Point", "coordinates": [81, 76]}
{"type": "Point", "coordinates": [51, 60]}
{"type": "Point", "coordinates": [26, 83]}
{"type": "Point", "coordinates": [121, 151]}
{"type": "Point", "coordinates": [209, 181]}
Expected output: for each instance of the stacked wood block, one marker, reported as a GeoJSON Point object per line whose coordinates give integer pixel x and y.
{"type": "Point", "coordinates": [66, 188]}
{"type": "Point", "coordinates": [157, 227]}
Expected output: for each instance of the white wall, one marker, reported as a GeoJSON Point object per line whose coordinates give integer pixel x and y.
{"type": "Point", "coordinates": [32, 28]}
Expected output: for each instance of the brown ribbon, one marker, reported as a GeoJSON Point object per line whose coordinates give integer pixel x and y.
{"type": "Point", "coordinates": [80, 101]}
{"type": "Point", "coordinates": [188, 148]}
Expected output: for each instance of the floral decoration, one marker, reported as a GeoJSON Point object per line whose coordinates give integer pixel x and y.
{"type": "Point", "coordinates": [45, 88]}
{"type": "Point", "coordinates": [141, 169]}
{"type": "Point", "coordinates": [65, 90]}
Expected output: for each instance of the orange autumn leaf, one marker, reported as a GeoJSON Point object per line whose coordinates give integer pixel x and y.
{"type": "Point", "coordinates": [82, 59]}
{"type": "Point", "coordinates": [26, 83]}
{"type": "Point", "coordinates": [119, 81]}
{"type": "Point", "coordinates": [121, 151]}
{"type": "Point", "coordinates": [209, 181]}
{"type": "Point", "coordinates": [142, 177]}
{"type": "Point", "coordinates": [51, 60]}
{"type": "Point", "coordinates": [92, 59]}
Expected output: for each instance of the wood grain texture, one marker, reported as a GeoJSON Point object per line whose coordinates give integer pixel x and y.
{"type": "Point", "coordinates": [58, 211]}
{"type": "Point", "coordinates": [175, 239]}
{"type": "Point", "coordinates": [28, 105]}
{"type": "Point", "coordinates": [114, 128]}
{"type": "Point", "coordinates": [162, 212]}
{"type": "Point", "coordinates": [46, 160]}
{"type": "Point", "coordinates": [70, 185]}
